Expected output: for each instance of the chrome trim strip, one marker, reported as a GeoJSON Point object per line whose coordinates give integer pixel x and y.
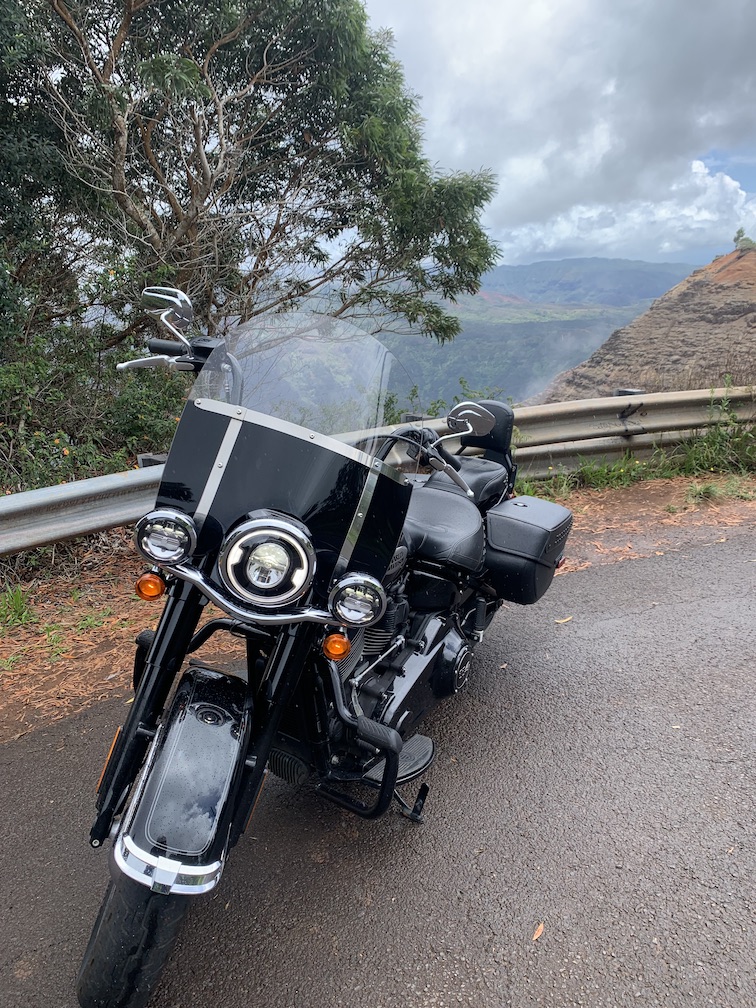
{"type": "Point", "coordinates": [302, 433]}
{"type": "Point", "coordinates": [306, 614]}
{"type": "Point", "coordinates": [219, 468]}
{"type": "Point", "coordinates": [350, 540]}
{"type": "Point", "coordinates": [163, 874]}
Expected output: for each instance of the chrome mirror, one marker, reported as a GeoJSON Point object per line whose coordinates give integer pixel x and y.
{"type": "Point", "coordinates": [173, 308]}
{"type": "Point", "coordinates": [171, 304]}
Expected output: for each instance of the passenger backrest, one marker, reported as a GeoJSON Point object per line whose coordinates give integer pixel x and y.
{"type": "Point", "coordinates": [495, 444]}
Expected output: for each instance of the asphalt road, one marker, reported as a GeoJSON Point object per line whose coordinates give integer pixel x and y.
{"type": "Point", "coordinates": [601, 784]}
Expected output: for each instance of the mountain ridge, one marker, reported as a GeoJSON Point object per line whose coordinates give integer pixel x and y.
{"type": "Point", "coordinates": [587, 280]}
{"type": "Point", "coordinates": [699, 334]}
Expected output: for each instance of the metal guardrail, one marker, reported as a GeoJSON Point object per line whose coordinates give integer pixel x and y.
{"type": "Point", "coordinates": [563, 436]}
{"type": "Point", "coordinates": [39, 517]}
{"type": "Point", "coordinates": [554, 437]}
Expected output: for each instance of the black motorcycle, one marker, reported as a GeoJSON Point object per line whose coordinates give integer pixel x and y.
{"type": "Point", "coordinates": [351, 564]}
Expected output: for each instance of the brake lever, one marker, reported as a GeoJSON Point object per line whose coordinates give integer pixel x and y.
{"type": "Point", "coordinates": [161, 360]}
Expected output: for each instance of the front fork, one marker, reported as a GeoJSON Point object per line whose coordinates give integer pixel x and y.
{"type": "Point", "coordinates": [290, 655]}
{"type": "Point", "coordinates": [171, 642]}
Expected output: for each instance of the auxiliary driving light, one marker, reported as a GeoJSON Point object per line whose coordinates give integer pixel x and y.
{"type": "Point", "coordinates": [166, 536]}
{"type": "Point", "coordinates": [357, 600]}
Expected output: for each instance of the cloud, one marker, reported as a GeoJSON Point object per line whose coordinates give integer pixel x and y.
{"type": "Point", "coordinates": [701, 211]}
{"type": "Point", "coordinates": [587, 112]}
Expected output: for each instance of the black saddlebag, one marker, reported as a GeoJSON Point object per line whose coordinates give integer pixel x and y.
{"type": "Point", "coordinates": [526, 538]}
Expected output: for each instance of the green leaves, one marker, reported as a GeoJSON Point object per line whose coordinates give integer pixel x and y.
{"type": "Point", "coordinates": [174, 75]}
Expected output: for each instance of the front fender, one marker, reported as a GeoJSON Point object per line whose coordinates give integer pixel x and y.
{"type": "Point", "coordinates": [174, 834]}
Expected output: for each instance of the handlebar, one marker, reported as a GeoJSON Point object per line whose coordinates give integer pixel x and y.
{"type": "Point", "coordinates": [450, 459]}
{"type": "Point", "coordinates": [425, 439]}
{"type": "Point", "coordinates": [431, 452]}
{"type": "Point", "coordinates": [439, 463]}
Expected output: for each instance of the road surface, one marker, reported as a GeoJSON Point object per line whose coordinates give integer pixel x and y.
{"type": "Point", "coordinates": [589, 834]}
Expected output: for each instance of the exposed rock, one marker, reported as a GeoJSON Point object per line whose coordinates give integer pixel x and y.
{"type": "Point", "coordinates": [698, 335]}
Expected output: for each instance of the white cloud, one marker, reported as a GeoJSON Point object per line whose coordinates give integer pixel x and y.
{"type": "Point", "coordinates": [589, 112]}
{"type": "Point", "coordinates": [702, 209]}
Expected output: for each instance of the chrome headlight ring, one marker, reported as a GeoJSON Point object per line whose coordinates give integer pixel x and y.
{"type": "Point", "coordinates": [166, 536]}
{"type": "Point", "coordinates": [357, 600]}
{"type": "Point", "coordinates": [267, 562]}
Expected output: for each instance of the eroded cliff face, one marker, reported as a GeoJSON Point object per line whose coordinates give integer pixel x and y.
{"type": "Point", "coordinates": [698, 335]}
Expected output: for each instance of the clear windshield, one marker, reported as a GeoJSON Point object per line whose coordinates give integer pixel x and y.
{"type": "Point", "coordinates": [312, 370]}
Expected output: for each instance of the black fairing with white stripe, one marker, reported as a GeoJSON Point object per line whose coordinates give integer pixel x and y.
{"type": "Point", "coordinates": [285, 468]}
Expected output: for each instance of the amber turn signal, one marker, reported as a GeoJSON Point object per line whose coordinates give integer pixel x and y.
{"type": "Point", "coordinates": [150, 586]}
{"type": "Point", "coordinates": [336, 646]}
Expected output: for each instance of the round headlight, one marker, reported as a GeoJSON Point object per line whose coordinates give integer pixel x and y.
{"type": "Point", "coordinates": [268, 565]}
{"type": "Point", "coordinates": [357, 600]}
{"type": "Point", "coordinates": [267, 562]}
{"type": "Point", "coordinates": [165, 536]}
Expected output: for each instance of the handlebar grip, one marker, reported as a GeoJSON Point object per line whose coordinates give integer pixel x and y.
{"type": "Point", "coordinates": [172, 348]}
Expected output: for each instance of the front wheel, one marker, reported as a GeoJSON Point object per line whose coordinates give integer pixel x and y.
{"type": "Point", "coordinates": [131, 941]}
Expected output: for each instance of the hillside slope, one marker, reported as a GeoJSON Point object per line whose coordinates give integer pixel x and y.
{"type": "Point", "coordinates": [695, 336]}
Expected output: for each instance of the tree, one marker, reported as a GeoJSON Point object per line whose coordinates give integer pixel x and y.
{"type": "Point", "coordinates": [259, 156]}
{"type": "Point", "coordinates": [63, 413]}
{"type": "Point", "coordinates": [742, 241]}
{"type": "Point", "coordinates": [38, 287]}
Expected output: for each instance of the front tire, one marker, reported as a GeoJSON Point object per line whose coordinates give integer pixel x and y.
{"type": "Point", "coordinates": [131, 941]}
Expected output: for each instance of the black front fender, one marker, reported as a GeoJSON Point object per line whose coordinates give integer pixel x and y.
{"type": "Point", "coordinates": [175, 831]}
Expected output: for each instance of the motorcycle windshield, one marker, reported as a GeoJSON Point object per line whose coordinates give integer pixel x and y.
{"type": "Point", "coordinates": [284, 418]}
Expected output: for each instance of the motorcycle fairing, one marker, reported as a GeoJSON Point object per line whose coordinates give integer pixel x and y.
{"type": "Point", "coordinates": [227, 461]}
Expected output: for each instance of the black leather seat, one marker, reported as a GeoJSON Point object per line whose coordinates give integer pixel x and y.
{"type": "Point", "coordinates": [488, 480]}
{"type": "Point", "coordinates": [444, 528]}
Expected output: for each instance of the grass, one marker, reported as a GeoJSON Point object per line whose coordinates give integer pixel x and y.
{"type": "Point", "coordinates": [56, 640]}
{"type": "Point", "coordinates": [9, 663]}
{"type": "Point", "coordinates": [734, 488]}
{"type": "Point", "coordinates": [15, 609]}
{"type": "Point", "coordinates": [94, 620]}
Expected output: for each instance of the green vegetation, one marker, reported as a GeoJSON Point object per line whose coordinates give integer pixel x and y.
{"type": "Point", "coordinates": [15, 609]}
{"type": "Point", "coordinates": [94, 620]}
{"type": "Point", "coordinates": [519, 358]}
{"type": "Point", "coordinates": [735, 488]}
{"type": "Point", "coordinates": [528, 323]}
{"type": "Point", "coordinates": [742, 241]}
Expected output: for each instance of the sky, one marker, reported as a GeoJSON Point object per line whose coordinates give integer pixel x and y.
{"type": "Point", "coordinates": [622, 128]}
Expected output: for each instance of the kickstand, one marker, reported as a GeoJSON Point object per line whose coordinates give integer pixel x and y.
{"type": "Point", "coordinates": [413, 812]}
